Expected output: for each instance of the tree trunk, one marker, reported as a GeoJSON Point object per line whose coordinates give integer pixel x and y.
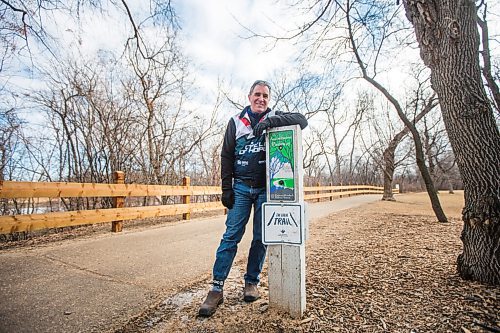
{"type": "Point", "coordinates": [389, 167]}
{"type": "Point", "coordinates": [419, 151]}
{"type": "Point", "coordinates": [390, 151]}
{"type": "Point", "coordinates": [449, 44]}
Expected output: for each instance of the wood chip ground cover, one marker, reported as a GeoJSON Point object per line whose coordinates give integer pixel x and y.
{"type": "Point", "coordinates": [383, 267]}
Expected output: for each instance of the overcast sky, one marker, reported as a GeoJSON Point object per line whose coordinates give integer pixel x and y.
{"type": "Point", "coordinates": [214, 34]}
{"type": "Point", "coordinates": [211, 35]}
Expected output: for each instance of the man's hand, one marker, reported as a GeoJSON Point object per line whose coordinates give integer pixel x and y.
{"type": "Point", "coordinates": [261, 127]}
{"type": "Point", "coordinates": [228, 198]}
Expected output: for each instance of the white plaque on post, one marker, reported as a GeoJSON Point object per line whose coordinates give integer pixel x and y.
{"type": "Point", "coordinates": [283, 224]}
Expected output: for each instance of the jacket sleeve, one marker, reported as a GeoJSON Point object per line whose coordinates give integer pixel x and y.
{"type": "Point", "coordinates": [227, 156]}
{"type": "Point", "coordinates": [287, 119]}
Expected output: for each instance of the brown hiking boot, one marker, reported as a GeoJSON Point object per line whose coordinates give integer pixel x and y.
{"type": "Point", "coordinates": [213, 299]}
{"type": "Point", "coordinates": [250, 293]}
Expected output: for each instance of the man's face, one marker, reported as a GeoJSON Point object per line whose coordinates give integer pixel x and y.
{"type": "Point", "coordinates": [259, 99]}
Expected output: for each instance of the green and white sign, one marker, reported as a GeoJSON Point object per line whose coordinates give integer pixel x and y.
{"type": "Point", "coordinates": [281, 166]}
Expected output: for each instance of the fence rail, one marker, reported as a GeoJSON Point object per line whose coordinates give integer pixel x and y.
{"type": "Point", "coordinates": [9, 189]}
{"type": "Point", "coordinates": [32, 222]}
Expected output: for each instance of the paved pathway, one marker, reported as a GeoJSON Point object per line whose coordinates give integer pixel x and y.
{"type": "Point", "coordinates": [96, 285]}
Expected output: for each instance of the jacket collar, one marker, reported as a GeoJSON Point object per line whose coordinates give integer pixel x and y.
{"type": "Point", "coordinates": [245, 118]}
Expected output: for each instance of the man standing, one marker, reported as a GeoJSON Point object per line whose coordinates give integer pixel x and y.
{"type": "Point", "coordinates": [243, 163]}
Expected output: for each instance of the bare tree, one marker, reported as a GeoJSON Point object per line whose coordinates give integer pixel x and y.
{"type": "Point", "coordinates": [420, 105]}
{"type": "Point", "coordinates": [340, 127]}
{"type": "Point", "coordinates": [23, 27]}
{"type": "Point", "coordinates": [363, 105]}
{"type": "Point", "coordinates": [313, 166]}
{"type": "Point", "coordinates": [487, 69]}
{"type": "Point", "coordinates": [93, 127]}
{"type": "Point", "coordinates": [449, 45]}
{"type": "Point", "coordinates": [153, 84]}
{"type": "Point", "coordinates": [368, 27]}
{"type": "Point", "coordinates": [355, 19]}
{"type": "Point", "coordinates": [10, 130]}
{"type": "Point", "coordinates": [24, 21]}
{"type": "Point", "coordinates": [438, 152]}
{"type": "Point", "coordinates": [207, 154]}
{"type": "Point", "coordinates": [319, 97]}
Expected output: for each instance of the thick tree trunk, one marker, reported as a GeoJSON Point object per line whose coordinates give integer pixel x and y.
{"type": "Point", "coordinates": [449, 44]}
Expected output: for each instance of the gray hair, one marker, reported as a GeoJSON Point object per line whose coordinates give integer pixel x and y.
{"type": "Point", "coordinates": [260, 83]}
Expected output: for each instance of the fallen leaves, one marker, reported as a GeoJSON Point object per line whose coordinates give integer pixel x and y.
{"type": "Point", "coordinates": [384, 267]}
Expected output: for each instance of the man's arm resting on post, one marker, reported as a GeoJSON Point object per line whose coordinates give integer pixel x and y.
{"type": "Point", "coordinates": [280, 119]}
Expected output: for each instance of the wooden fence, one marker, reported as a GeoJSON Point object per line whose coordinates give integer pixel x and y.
{"type": "Point", "coordinates": [119, 191]}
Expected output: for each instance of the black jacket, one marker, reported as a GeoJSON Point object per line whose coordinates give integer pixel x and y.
{"type": "Point", "coordinates": [243, 155]}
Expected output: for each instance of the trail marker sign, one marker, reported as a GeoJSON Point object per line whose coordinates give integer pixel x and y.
{"type": "Point", "coordinates": [284, 222]}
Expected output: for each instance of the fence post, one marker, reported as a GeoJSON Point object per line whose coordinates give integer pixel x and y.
{"type": "Point", "coordinates": [318, 192]}
{"type": "Point", "coordinates": [118, 202]}
{"type": "Point", "coordinates": [331, 191]}
{"type": "Point", "coordinates": [186, 199]}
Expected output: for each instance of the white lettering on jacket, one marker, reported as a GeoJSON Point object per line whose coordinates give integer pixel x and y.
{"type": "Point", "coordinates": [253, 148]}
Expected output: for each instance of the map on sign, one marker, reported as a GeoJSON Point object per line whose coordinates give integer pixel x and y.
{"type": "Point", "coordinates": [281, 166]}
{"type": "Point", "coordinates": [283, 224]}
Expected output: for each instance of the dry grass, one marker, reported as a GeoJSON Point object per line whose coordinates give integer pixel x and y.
{"type": "Point", "coordinates": [383, 267]}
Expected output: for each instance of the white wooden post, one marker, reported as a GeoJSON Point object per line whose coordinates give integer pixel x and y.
{"type": "Point", "coordinates": [284, 221]}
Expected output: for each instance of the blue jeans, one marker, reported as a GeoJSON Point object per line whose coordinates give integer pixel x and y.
{"type": "Point", "coordinates": [237, 218]}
